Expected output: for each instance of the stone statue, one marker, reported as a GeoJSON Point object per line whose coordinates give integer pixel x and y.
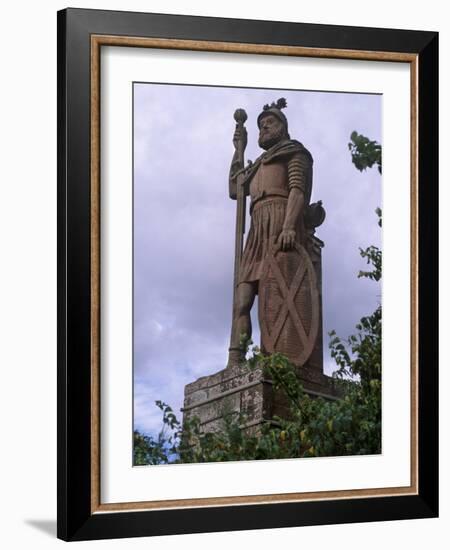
{"type": "Point", "coordinates": [276, 262]}
{"type": "Point", "coordinates": [281, 263]}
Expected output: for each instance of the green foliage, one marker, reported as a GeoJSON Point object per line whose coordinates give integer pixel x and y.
{"type": "Point", "coordinates": [365, 153]}
{"type": "Point", "coordinates": [147, 450]}
{"type": "Point", "coordinates": [373, 256]}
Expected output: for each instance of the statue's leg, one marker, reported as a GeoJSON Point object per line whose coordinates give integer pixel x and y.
{"type": "Point", "coordinates": [242, 324]}
{"type": "Point", "coordinates": [245, 298]}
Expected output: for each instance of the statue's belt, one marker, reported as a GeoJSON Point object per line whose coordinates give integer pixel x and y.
{"type": "Point", "coordinates": [314, 214]}
{"type": "Point", "coordinates": [262, 196]}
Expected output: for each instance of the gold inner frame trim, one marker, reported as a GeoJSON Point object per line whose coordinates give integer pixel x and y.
{"type": "Point", "coordinates": [263, 49]}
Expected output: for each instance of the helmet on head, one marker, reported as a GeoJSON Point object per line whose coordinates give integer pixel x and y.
{"type": "Point", "coordinates": [274, 109]}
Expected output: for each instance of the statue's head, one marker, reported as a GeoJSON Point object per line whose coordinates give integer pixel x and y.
{"type": "Point", "coordinates": [272, 124]}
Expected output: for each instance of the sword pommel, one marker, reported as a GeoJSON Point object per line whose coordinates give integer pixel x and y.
{"type": "Point", "coordinates": [240, 116]}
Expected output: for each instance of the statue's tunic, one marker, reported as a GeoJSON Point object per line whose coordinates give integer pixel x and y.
{"type": "Point", "coordinates": [269, 181]}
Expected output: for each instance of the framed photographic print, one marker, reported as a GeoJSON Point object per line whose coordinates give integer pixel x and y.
{"type": "Point", "coordinates": [247, 255]}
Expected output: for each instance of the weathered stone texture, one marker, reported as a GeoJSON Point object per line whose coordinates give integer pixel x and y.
{"type": "Point", "coordinates": [234, 389]}
{"type": "Point", "coordinates": [240, 390]}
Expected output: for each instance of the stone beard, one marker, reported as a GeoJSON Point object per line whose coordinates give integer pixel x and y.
{"type": "Point", "coordinates": [279, 184]}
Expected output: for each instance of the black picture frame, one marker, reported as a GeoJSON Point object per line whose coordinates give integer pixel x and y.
{"type": "Point", "coordinates": [76, 476]}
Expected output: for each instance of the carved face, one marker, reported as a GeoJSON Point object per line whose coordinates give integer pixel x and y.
{"type": "Point", "coordinates": [271, 130]}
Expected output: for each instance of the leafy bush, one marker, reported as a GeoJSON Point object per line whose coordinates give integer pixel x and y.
{"type": "Point", "coordinates": [365, 153]}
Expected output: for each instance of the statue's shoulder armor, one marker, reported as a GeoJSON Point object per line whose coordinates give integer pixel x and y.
{"type": "Point", "coordinates": [286, 150]}
{"type": "Point", "coordinates": [281, 153]}
{"type": "Point", "coordinates": [297, 147]}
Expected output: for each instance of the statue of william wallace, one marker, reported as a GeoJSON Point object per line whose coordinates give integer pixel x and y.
{"type": "Point", "coordinates": [276, 260]}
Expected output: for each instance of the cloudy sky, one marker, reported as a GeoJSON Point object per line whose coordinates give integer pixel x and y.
{"type": "Point", "coordinates": [184, 224]}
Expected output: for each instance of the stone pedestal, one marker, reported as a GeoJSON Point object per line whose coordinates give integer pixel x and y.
{"type": "Point", "coordinates": [241, 390]}
{"type": "Point", "coordinates": [232, 390]}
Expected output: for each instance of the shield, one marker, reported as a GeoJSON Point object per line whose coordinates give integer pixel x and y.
{"type": "Point", "coordinates": [288, 304]}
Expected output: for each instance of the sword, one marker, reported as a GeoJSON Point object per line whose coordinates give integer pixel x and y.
{"type": "Point", "coordinates": [240, 116]}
